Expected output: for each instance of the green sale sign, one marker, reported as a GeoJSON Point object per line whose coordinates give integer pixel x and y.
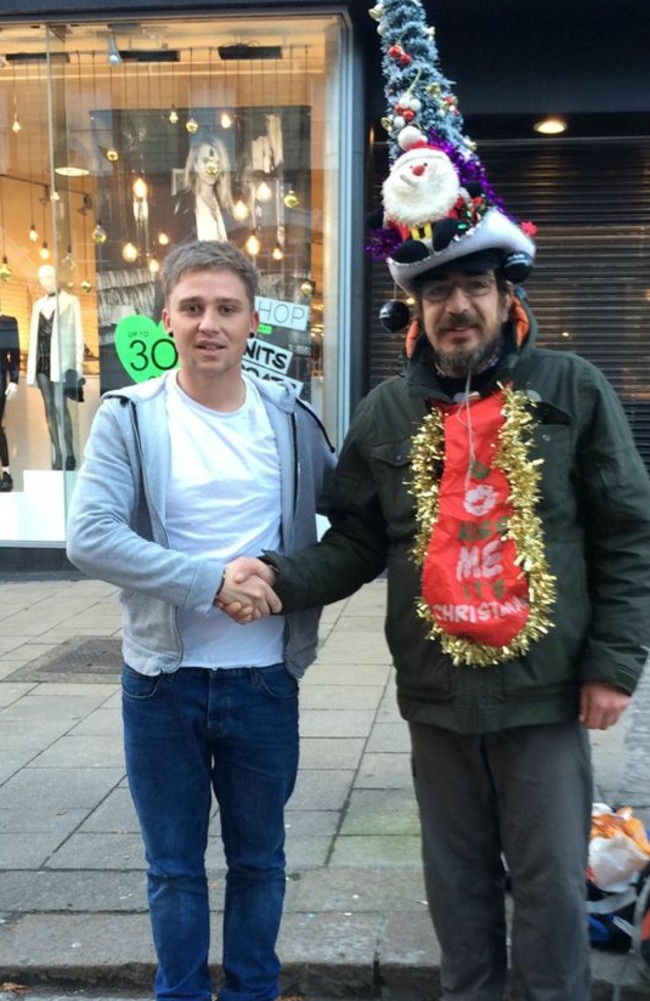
{"type": "Point", "coordinates": [144, 348]}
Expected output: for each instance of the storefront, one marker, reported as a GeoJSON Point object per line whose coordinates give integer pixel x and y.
{"type": "Point", "coordinates": [127, 127]}
{"type": "Point", "coordinates": [119, 140]}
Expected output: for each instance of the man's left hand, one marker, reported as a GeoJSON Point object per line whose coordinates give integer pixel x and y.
{"type": "Point", "coordinates": [601, 705]}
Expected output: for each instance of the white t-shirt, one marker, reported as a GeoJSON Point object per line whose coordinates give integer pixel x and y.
{"type": "Point", "coordinates": [223, 501]}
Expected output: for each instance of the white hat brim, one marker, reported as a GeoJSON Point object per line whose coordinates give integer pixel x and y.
{"type": "Point", "coordinates": [494, 232]}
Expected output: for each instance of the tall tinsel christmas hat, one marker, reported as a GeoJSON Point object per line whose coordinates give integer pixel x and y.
{"type": "Point", "coordinates": [438, 204]}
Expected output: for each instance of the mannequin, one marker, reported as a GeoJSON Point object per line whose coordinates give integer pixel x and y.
{"type": "Point", "coordinates": [9, 365]}
{"type": "Point", "coordinates": [55, 357]}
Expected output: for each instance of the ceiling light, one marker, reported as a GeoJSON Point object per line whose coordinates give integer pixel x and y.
{"type": "Point", "coordinates": [72, 168]}
{"type": "Point", "coordinates": [550, 126]}
{"type": "Point", "coordinates": [114, 57]}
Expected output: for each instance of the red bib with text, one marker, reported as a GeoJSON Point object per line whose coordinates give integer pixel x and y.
{"type": "Point", "coordinates": [470, 579]}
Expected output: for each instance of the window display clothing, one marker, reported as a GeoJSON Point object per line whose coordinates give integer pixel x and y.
{"type": "Point", "coordinates": [56, 348]}
{"type": "Point", "coordinates": [9, 373]}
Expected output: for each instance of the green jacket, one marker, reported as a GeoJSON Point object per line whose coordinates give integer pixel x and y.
{"type": "Point", "coordinates": [595, 512]}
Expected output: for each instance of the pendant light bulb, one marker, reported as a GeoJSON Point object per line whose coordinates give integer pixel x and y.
{"type": "Point", "coordinates": [277, 253]}
{"type": "Point", "coordinates": [225, 120]}
{"type": "Point", "coordinates": [5, 270]}
{"type": "Point", "coordinates": [33, 233]}
{"type": "Point", "coordinates": [253, 245]}
{"type": "Point", "coordinates": [130, 252]}
{"type": "Point", "coordinates": [140, 188]}
{"type": "Point", "coordinates": [99, 234]}
{"type": "Point", "coordinates": [240, 210]}
{"type": "Point", "coordinates": [173, 115]}
{"type": "Point", "coordinates": [291, 199]}
{"type": "Point", "coordinates": [44, 252]}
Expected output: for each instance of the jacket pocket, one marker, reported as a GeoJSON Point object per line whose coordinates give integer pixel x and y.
{"type": "Point", "coordinates": [391, 467]}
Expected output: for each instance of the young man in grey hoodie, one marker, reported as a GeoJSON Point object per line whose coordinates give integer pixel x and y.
{"type": "Point", "coordinates": [182, 474]}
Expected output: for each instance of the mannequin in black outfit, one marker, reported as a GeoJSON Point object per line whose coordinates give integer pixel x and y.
{"type": "Point", "coordinates": [9, 365]}
{"type": "Point", "coordinates": [55, 354]}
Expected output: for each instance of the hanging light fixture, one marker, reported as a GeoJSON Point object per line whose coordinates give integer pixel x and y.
{"type": "Point", "coordinates": [226, 118]}
{"type": "Point", "coordinates": [114, 57]}
{"type": "Point", "coordinates": [191, 124]}
{"type": "Point", "coordinates": [172, 117]}
{"type": "Point", "coordinates": [16, 126]}
{"type": "Point", "coordinates": [86, 205]}
{"type": "Point", "coordinates": [73, 166]}
{"type": "Point", "coordinates": [264, 193]}
{"type": "Point", "coordinates": [5, 270]}
{"type": "Point", "coordinates": [111, 153]}
{"type": "Point", "coordinates": [153, 265]}
{"type": "Point", "coordinates": [33, 232]}
{"type": "Point", "coordinates": [277, 253]}
{"type": "Point", "coordinates": [163, 239]}
{"type": "Point", "coordinates": [44, 252]}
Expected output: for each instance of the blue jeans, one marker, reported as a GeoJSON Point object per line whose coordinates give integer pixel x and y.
{"type": "Point", "coordinates": [185, 734]}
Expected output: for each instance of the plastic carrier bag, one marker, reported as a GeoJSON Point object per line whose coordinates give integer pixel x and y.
{"type": "Point", "coordinates": [618, 883]}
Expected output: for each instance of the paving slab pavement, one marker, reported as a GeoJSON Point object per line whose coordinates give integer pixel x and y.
{"type": "Point", "coordinates": [72, 897]}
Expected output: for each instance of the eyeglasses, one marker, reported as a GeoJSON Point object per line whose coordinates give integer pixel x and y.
{"type": "Point", "coordinates": [472, 288]}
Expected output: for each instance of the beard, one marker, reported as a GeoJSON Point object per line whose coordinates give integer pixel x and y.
{"type": "Point", "coordinates": [460, 362]}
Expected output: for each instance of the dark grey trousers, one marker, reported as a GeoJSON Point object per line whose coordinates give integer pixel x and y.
{"type": "Point", "coordinates": [526, 793]}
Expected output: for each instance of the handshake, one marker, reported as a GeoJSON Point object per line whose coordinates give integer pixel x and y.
{"type": "Point", "coordinates": [246, 593]}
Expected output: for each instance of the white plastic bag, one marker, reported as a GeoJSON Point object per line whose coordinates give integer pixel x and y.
{"type": "Point", "coordinates": [618, 848]}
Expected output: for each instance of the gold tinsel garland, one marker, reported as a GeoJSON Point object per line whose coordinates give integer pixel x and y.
{"type": "Point", "coordinates": [524, 526]}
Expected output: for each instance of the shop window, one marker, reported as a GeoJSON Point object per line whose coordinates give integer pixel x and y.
{"type": "Point", "coordinates": [116, 143]}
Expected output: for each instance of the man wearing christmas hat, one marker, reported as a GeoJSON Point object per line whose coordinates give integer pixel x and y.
{"type": "Point", "coordinates": [498, 485]}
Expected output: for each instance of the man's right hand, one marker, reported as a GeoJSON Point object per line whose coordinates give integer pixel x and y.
{"type": "Point", "coordinates": [246, 593]}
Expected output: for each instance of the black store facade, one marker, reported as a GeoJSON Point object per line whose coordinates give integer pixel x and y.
{"type": "Point", "coordinates": [120, 123]}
